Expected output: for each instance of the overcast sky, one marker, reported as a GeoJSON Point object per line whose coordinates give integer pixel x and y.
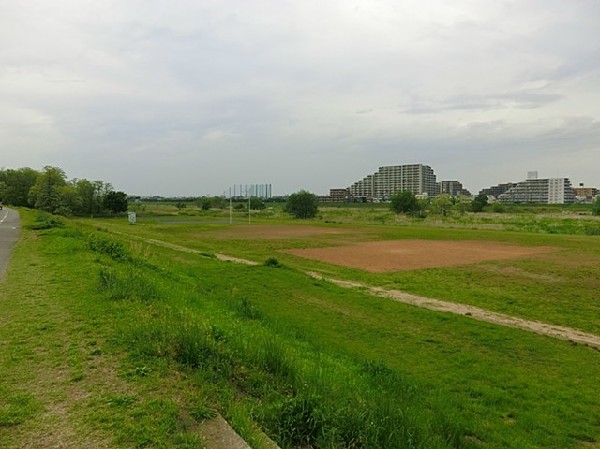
{"type": "Point", "coordinates": [191, 97]}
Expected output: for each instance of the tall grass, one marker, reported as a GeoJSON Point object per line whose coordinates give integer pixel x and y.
{"type": "Point", "coordinates": [301, 396]}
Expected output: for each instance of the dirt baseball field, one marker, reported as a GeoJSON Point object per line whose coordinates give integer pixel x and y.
{"type": "Point", "coordinates": [397, 255]}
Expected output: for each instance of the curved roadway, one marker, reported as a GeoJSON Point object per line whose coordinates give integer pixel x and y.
{"type": "Point", "coordinates": [10, 231]}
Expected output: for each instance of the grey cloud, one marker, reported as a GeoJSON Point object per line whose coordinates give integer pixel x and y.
{"type": "Point", "coordinates": [512, 100]}
{"type": "Point", "coordinates": [301, 94]}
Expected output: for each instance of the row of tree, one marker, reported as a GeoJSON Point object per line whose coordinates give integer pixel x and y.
{"type": "Point", "coordinates": [50, 190]}
{"type": "Point", "coordinates": [304, 204]}
{"type": "Point", "coordinates": [406, 202]}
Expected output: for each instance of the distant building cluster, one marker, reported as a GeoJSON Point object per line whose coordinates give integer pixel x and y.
{"type": "Point", "coordinates": [421, 181]}
{"type": "Point", "coordinates": [381, 185]}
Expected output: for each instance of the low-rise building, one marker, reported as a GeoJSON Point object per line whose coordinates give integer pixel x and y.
{"type": "Point", "coordinates": [585, 194]}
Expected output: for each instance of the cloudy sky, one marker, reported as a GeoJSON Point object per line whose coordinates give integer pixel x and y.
{"type": "Point", "coordinates": [190, 97]}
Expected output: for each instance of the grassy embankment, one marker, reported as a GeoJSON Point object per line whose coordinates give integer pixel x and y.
{"type": "Point", "coordinates": [307, 361]}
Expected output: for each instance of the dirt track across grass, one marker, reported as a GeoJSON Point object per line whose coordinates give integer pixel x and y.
{"type": "Point", "coordinates": [398, 255]}
{"type": "Point", "coordinates": [561, 332]}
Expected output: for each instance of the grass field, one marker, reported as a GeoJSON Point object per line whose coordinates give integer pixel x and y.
{"type": "Point", "coordinates": [120, 342]}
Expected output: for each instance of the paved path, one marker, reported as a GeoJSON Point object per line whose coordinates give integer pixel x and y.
{"type": "Point", "coordinates": [10, 231]}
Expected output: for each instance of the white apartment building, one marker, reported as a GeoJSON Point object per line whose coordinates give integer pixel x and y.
{"type": "Point", "coordinates": [416, 178]}
{"type": "Point", "coordinates": [540, 191]}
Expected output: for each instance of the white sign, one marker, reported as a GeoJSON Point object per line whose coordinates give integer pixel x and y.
{"type": "Point", "coordinates": [132, 217]}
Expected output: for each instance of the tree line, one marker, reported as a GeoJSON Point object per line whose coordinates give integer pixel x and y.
{"type": "Point", "coordinates": [50, 190]}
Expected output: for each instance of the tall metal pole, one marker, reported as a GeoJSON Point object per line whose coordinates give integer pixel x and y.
{"type": "Point", "coordinates": [230, 207]}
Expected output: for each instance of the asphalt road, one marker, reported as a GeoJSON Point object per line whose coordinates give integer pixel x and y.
{"type": "Point", "coordinates": [10, 231]}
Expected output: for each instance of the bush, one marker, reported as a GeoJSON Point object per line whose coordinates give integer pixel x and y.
{"type": "Point", "coordinates": [45, 220]}
{"type": "Point", "coordinates": [104, 245]}
{"type": "Point", "coordinates": [596, 206]}
{"type": "Point", "coordinates": [272, 262]}
{"type": "Point", "coordinates": [479, 203]}
{"type": "Point", "coordinates": [302, 205]}
{"type": "Point", "coordinates": [498, 207]}
{"type": "Point", "coordinates": [405, 202]}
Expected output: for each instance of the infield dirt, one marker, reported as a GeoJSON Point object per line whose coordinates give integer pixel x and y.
{"type": "Point", "coordinates": [397, 255]}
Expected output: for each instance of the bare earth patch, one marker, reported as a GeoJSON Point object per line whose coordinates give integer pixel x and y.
{"type": "Point", "coordinates": [398, 255]}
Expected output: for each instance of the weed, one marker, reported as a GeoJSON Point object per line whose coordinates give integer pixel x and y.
{"type": "Point", "coordinates": [77, 376]}
{"type": "Point", "coordinates": [16, 407]}
{"type": "Point", "coordinates": [272, 262]}
{"type": "Point", "coordinates": [247, 310]}
{"type": "Point", "coordinates": [297, 421]}
{"type": "Point", "coordinates": [111, 248]}
{"type": "Point", "coordinates": [121, 401]}
{"type": "Point", "coordinates": [132, 285]}
{"type": "Point", "coordinates": [200, 412]}
{"type": "Point", "coordinates": [274, 358]}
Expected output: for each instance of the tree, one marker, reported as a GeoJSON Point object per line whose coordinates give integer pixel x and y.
{"type": "Point", "coordinates": [92, 195]}
{"type": "Point", "coordinates": [205, 203]}
{"type": "Point", "coordinates": [115, 202]}
{"type": "Point", "coordinates": [256, 203]}
{"type": "Point", "coordinates": [441, 204]}
{"type": "Point", "coordinates": [16, 185]}
{"type": "Point", "coordinates": [479, 202]}
{"type": "Point", "coordinates": [302, 204]}
{"type": "Point", "coordinates": [596, 206]}
{"type": "Point", "coordinates": [404, 201]}
{"type": "Point", "coordinates": [46, 193]}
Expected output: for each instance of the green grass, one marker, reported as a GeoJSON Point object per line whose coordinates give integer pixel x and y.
{"type": "Point", "coordinates": [135, 344]}
{"type": "Point", "coordinates": [559, 288]}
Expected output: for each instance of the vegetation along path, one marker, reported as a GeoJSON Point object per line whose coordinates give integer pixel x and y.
{"type": "Point", "coordinates": [561, 332]}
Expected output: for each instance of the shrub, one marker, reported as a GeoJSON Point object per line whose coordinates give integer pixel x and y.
{"type": "Point", "coordinates": [405, 201]}
{"type": "Point", "coordinates": [247, 310]}
{"type": "Point", "coordinates": [45, 220]}
{"type": "Point", "coordinates": [596, 206]}
{"type": "Point", "coordinates": [104, 245]}
{"type": "Point", "coordinates": [272, 262]}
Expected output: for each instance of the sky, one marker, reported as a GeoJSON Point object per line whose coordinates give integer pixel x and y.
{"type": "Point", "coordinates": [179, 97]}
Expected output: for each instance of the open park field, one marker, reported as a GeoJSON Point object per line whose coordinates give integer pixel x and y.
{"type": "Point", "coordinates": [145, 331]}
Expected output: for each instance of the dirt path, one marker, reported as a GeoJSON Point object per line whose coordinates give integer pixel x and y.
{"type": "Point", "coordinates": [561, 332]}
{"type": "Point", "coordinates": [551, 330]}
{"type": "Point", "coordinates": [222, 257]}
